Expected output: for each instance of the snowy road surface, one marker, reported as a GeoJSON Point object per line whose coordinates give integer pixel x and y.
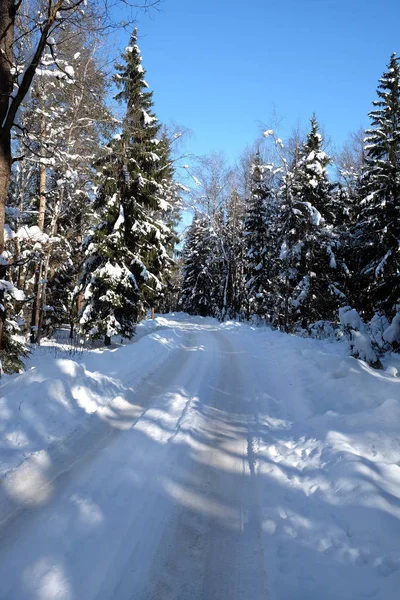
{"type": "Point", "coordinates": [248, 465]}
{"type": "Point", "coordinates": [166, 507]}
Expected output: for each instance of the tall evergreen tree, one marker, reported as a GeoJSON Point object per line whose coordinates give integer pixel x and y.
{"type": "Point", "coordinates": [378, 231]}
{"type": "Point", "coordinates": [309, 282]}
{"type": "Point", "coordinates": [126, 253]}
{"type": "Point", "coordinates": [161, 239]}
{"type": "Point", "coordinates": [233, 256]}
{"type": "Point", "coordinates": [109, 286]}
{"type": "Point", "coordinates": [201, 269]}
{"type": "Point", "coordinates": [259, 238]}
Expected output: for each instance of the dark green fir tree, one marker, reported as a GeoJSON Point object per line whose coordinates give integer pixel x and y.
{"type": "Point", "coordinates": [200, 293]}
{"type": "Point", "coordinates": [309, 274]}
{"type": "Point", "coordinates": [260, 242]}
{"type": "Point", "coordinates": [126, 253]}
{"type": "Point", "coordinates": [378, 230]}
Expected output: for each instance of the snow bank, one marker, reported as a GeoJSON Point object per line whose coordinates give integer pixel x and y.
{"type": "Point", "coordinates": [57, 399]}
{"type": "Point", "coordinates": [328, 456]}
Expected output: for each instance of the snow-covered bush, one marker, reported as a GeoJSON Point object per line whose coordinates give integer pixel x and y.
{"type": "Point", "coordinates": [376, 329]}
{"type": "Point", "coordinates": [361, 344]}
{"type": "Point", "coordinates": [361, 347]}
{"type": "Point", "coordinates": [391, 335]}
{"type": "Point", "coordinates": [349, 318]}
{"type": "Point", "coordinates": [13, 349]}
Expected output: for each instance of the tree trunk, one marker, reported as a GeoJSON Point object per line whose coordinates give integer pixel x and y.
{"type": "Point", "coordinates": [286, 314]}
{"type": "Point", "coordinates": [34, 306]}
{"type": "Point", "coordinates": [7, 16]}
{"type": "Point", "coordinates": [43, 269]}
{"type": "Point", "coordinates": [38, 303]}
{"type": "Point", "coordinates": [5, 169]}
{"type": "Point", "coordinates": [42, 180]}
{"type": "Point", "coordinates": [46, 268]}
{"type": "Point", "coordinates": [107, 340]}
{"type": "Point", "coordinates": [22, 187]}
{"type": "Point", "coordinates": [80, 302]}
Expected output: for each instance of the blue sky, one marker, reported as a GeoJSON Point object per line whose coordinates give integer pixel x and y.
{"type": "Point", "coordinates": [220, 67]}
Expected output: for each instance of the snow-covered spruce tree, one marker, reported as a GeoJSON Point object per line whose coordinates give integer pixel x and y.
{"type": "Point", "coordinates": [349, 164]}
{"type": "Point", "coordinates": [108, 285]}
{"type": "Point", "coordinates": [233, 252]}
{"type": "Point", "coordinates": [167, 300]}
{"type": "Point", "coordinates": [201, 268]}
{"type": "Point", "coordinates": [309, 285]}
{"type": "Point", "coordinates": [378, 230]}
{"type": "Point", "coordinates": [259, 239]}
{"type": "Point", "coordinates": [126, 253]}
{"type": "Point", "coordinates": [161, 239]}
{"type": "Point", "coordinates": [291, 224]}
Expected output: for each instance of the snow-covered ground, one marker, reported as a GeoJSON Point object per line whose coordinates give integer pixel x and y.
{"type": "Point", "coordinates": [62, 386]}
{"type": "Point", "coordinates": [328, 459]}
{"type": "Point", "coordinates": [204, 460]}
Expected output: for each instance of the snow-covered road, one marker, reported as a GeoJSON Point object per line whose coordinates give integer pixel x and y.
{"type": "Point", "coordinates": [166, 505]}
{"type": "Point", "coordinates": [205, 461]}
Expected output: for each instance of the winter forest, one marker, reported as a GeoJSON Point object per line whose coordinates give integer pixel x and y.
{"type": "Point", "coordinates": [199, 300]}
{"type": "Point", "coordinates": [93, 188]}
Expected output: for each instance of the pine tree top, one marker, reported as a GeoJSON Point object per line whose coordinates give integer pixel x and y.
{"type": "Point", "coordinates": [130, 79]}
{"type": "Point", "coordinates": [383, 138]}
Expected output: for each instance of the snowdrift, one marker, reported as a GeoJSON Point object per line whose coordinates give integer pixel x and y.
{"type": "Point", "coordinates": [329, 463]}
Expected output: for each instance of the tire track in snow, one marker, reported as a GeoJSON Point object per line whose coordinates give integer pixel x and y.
{"type": "Point", "coordinates": [169, 521]}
